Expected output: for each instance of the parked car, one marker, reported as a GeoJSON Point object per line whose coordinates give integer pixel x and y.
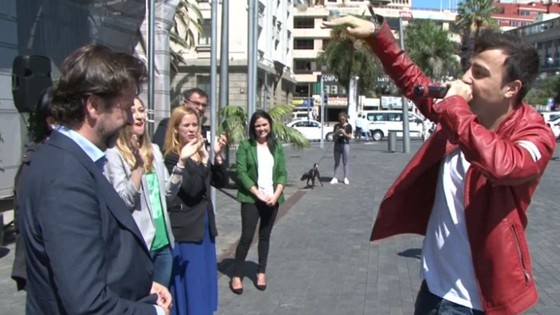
{"type": "Point", "coordinates": [311, 129]}
{"type": "Point", "coordinates": [382, 121]}
{"type": "Point", "coordinates": [548, 116]}
{"type": "Point", "coordinates": [554, 124]}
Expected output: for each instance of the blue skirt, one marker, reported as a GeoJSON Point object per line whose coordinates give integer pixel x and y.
{"type": "Point", "coordinates": [195, 277]}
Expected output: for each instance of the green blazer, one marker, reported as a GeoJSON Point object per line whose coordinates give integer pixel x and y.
{"type": "Point", "coordinates": [247, 169]}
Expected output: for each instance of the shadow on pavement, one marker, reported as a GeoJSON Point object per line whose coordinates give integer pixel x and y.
{"type": "Point", "coordinates": [4, 251]}
{"type": "Point", "coordinates": [225, 267]}
{"type": "Point", "coordinates": [411, 253]}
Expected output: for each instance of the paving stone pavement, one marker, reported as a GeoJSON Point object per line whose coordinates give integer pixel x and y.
{"type": "Point", "coordinates": [321, 261]}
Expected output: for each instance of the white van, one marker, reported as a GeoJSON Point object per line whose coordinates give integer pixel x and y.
{"type": "Point", "coordinates": [382, 121]}
{"type": "Point", "coordinates": [297, 115]}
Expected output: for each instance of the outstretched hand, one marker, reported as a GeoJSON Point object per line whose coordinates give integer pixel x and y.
{"type": "Point", "coordinates": [355, 26]}
{"type": "Point", "coordinates": [191, 148]}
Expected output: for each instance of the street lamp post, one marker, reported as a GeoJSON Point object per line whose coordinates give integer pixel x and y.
{"type": "Point", "coordinates": [402, 14]}
{"type": "Point", "coordinates": [213, 83]}
{"type": "Point", "coordinates": [252, 57]}
{"type": "Point", "coordinates": [406, 129]}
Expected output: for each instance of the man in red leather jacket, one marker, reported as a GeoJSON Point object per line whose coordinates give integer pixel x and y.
{"type": "Point", "coordinates": [468, 187]}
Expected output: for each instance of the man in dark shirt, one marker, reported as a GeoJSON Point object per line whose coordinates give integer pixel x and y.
{"type": "Point", "coordinates": [195, 98]}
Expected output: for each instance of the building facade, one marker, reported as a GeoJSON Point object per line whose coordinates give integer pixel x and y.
{"type": "Point", "coordinates": [545, 35]}
{"type": "Point", "coordinates": [516, 13]}
{"type": "Point", "coordinates": [275, 79]}
{"type": "Point", "coordinates": [309, 40]}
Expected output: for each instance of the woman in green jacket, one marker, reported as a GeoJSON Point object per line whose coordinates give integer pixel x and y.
{"type": "Point", "coordinates": [261, 169]}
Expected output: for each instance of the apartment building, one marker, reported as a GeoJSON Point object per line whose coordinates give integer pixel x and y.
{"type": "Point", "coordinates": [275, 79]}
{"type": "Point", "coordinates": [516, 13]}
{"type": "Point", "coordinates": [545, 35]}
{"type": "Point", "coordinates": [309, 39]}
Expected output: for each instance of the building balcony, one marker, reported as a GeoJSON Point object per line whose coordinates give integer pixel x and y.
{"type": "Point", "coordinates": [312, 33]}
{"type": "Point", "coordinates": [305, 54]}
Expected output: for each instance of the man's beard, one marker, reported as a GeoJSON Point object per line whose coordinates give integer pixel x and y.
{"type": "Point", "coordinates": [111, 141]}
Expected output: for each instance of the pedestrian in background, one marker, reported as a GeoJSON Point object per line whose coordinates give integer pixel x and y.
{"type": "Point", "coordinates": [362, 127]}
{"type": "Point", "coordinates": [342, 132]}
{"type": "Point", "coordinates": [469, 186]}
{"type": "Point", "coordinates": [136, 170]}
{"type": "Point", "coordinates": [195, 277]}
{"type": "Point", "coordinates": [261, 170]}
{"type": "Point", "coordinates": [41, 124]}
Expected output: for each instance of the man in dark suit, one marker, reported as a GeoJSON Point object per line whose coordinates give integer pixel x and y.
{"type": "Point", "coordinates": [195, 98]}
{"type": "Point", "coordinates": [85, 254]}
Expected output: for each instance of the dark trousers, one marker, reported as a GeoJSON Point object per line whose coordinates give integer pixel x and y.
{"type": "Point", "coordinates": [431, 304]}
{"type": "Point", "coordinates": [250, 214]}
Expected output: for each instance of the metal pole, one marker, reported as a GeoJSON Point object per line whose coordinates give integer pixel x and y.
{"type": "Point", "coordinates": [213, 85]}
{"type": "Point", "coordinates": [151, 61]}
{"type": "Point", "coordinates": [406, 132]}
{"type": "Point", "coordinates": [251, 59]}
{"type": "Point", "coordinates": [224, 56]}
{"type": "Point", "coordinates": [322, 143]}
{"type": "Point", "coordinates": [224, 64]}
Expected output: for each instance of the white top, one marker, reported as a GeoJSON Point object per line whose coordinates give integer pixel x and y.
{"type": "Point", "coordinates": [363, 123]}
{"type": "Point", "coordinates": [265, 163]}
{"type": "Point", "coordinates": [447, 259]}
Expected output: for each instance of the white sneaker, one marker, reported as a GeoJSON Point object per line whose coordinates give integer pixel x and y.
{"type": "Point", "coordinates": [334, 180]}
{"type": "Point", "coordinates": [346, 181]}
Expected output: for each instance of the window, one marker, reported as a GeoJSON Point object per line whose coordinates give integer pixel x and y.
{"type": "Point", "coordinates": [203, 82]}
{"type": "Point", "coordinates": [304, 65]}
{"type": "Point", "coordinates": [204, 38]}
{"type": "Point", "coordinates": [334, 89]}
{"type": "Point", "coordinates": [303, 44]}
{"type": "Point", "coordinates": [394, 117]}
{"type": "Point", "coordinates": [304, 23]}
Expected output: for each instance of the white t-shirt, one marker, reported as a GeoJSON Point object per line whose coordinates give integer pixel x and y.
{"type": "Point", "coordinates": [447, 263]}
{"type": "Point", "coordinates": [265, 163]}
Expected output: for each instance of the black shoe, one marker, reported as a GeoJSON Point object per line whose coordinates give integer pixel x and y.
{"type": "Point", "coordinates": [238, 291]}
{"type": "Point", "coordinates": [261, 287]}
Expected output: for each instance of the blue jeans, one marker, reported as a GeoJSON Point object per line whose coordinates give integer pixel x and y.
{"type": "Point", "coordinates": [431, 304]}
{"type": "Point", "coordinates": [163, 265]}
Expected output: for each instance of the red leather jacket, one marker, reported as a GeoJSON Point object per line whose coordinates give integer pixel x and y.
{"type": "Point", "coordinates": [498, 185]}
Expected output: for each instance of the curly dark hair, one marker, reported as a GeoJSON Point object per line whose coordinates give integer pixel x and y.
{"type": "Point", "coordinates": [93, 70]}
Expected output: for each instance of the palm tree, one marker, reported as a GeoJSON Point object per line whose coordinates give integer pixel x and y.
{"type": "Point", "coordinates": [347, 56]}
{"type": "Point", "coordinates": [186, 24]}
{"type": "Point", "coordinates": [473, 16]}
{"type": "Point", "coordinates": [233, 122]}
{"type": "Point", "coordinates": [430, 47]}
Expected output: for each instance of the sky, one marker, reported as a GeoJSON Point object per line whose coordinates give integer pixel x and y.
{"type": "Point", "coordinates": [435, 4]}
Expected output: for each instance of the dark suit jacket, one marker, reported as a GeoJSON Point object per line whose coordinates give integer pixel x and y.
{"type": "Point", "coordinates": [187, 213]}
{"type": "Point", "coordinates": [159, 135]}
{"type": "Point", "coordinates": [85, 254]}
{"type": "Point", "coordinates": [19, 274]}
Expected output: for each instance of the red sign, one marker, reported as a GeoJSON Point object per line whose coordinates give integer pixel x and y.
{"type": "Point", "coordinates": [406, 15]}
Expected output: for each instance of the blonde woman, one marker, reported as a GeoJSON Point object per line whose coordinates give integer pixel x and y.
{"type": "Point", "coordinates": [136, 170]}
{"type": "Point", "coordinates": [195, 280]}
